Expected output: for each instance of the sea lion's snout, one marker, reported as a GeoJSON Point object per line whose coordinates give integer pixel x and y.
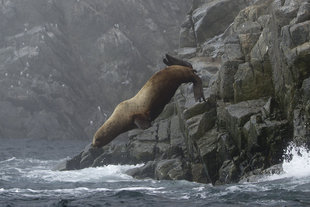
{"type": "Point", "coordinates": [97, 143]}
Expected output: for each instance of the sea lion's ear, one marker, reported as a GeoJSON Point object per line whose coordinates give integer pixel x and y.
{"type": "Point", "coordinates": [142, 121]}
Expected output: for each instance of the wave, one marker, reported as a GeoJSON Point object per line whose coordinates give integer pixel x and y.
{"type": "Point", "coordinates": [296, 164]}
{"type": "Point", "coordinates": [109, 173]}
{"type": "Point", "coordinates": [78, 190]}
{"type": "Point", "coordinates": [40, 171]}
{"type": "Point", "coordinates": [8, 160]}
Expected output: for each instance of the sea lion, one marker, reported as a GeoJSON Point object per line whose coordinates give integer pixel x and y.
{"type": "Point", "coordinates": [148, 103]}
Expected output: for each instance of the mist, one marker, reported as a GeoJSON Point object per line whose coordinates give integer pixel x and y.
{"type": "Point", "coordinates": [64, 65]}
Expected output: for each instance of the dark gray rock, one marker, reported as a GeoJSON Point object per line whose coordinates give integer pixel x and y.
{"type": "Point", "coordinates": [228, 173]}
{"type": "Point", "coordinates": [213, 17]}
{"type": "Point", "coordinates": [187, 34]}
{"type": "Point", "coordinates": [146, 171]}
{"type": "Point", "coordinates": [236, 115]}
{"type": "Point", "coordinates": [255, 176]}
{"type": "Point", "coordinates": [172, 169]}
{"type": "Point", "coordinates": [226, 79]}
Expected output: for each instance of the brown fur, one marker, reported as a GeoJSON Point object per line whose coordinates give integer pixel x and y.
{"type": "Point", "coordinates": [148, 103]}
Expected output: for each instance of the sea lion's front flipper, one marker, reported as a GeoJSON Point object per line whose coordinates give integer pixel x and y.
{"type": "Point", "coordinates": [142, 121]}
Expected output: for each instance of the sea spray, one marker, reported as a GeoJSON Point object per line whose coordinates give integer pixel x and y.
{"type": "Point", "coordinates": [296, 161]}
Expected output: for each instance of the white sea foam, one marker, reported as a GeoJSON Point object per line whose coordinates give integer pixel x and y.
{"type": "Point", "coordinates": [295, 165]}
{"type": "Point", "coordinates": [109, 173]}
{"type": "Point", "coordinates": [137, 188]}
{"type": "Point", "coordinates": [8, 160]}
{"type": "Point", "coordinates": [69, 191]}
{"type": "Point", "coordinates": [299, 166]}
{"type": "Point", "coordinates": [247, 187]}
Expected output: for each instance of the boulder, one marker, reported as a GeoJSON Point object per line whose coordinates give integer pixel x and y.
{"type": "Point", "coordinates": [146, 171]}
{"type": "Point", "coordinates": [198, 173]}
{"type": "Point", "coordinates": [173, 169]}
{"type": "Point", "coordinates": [226, 79]}
{"type": "Point", "coordinates": [213, 17]}
{"type": "Point", "coordinates": [228, 173]}
{"type": "Point", "coordinates": [187, 34]}
{"type": "Point", "coordinates": [236, 115]}
{"type": "Point", "coordinates": [207, 147]}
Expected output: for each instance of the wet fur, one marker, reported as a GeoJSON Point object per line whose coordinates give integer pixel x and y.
{"type": "Point", "coordinates": [149, 102]}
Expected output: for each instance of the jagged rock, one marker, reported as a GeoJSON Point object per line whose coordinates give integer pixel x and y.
{"type": "Point", "coordinates": [271, 110]}
{"type": "Point", "coordinates": [259, 174]}
{"type": "Point", "coordinates": [247, 42]}
{"type": "Point", "coordinates": [226, 149]}
{"type": "Point", "coordinates": [198, 173]}
{"type": "Point", "coordinates": [269, 137]}
{"type": "Point", "coordinates": [199, 124]}
{"type": "Point", "coordinates": [226, 79]}
{"type": "Point", "coordinates": [228, 173]}
{"type": "Point", "coordinates": [142, 150]}
{"type": "Point", "coordinates": [199, 108]}
{"type": "Point", "coordinates": [236, 115]}
{"type": "Point", "coordinates": [303, 13]}
{"type": "Point", "coordinates": [146, 171]}
{"type": "Point", "coordinates": [89, 155]}
{"type": "Point", "coordinates": [220, 11]}
{"type": "Point", "coordinates": [114, 154]}
{"type": "Point", "coordinates": [163, 133]}
{"type": "Point", "coordinates": [207, 146]}
{"type": "Point", "coordinates": [176, 136]}
{"type": "Point", "coordinates": [187, 34]}
{"type": "Point", "coordinates": [171, 170]}
{"type": "Point", "coordinates": [187, 52]}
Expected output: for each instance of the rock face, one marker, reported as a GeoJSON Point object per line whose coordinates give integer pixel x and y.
{"type": "Point", "coordinates": [254, 67]}
{"type": "Point", "coordinates": [64, 65]}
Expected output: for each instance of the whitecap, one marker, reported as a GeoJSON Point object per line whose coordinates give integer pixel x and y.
{"type": "Point", "coordinates": [185, 197]}
{"type": "Point", "coordinates": [199, 189]}
{"type": "Point", "coordinates": [109, 173]}
{"type": "Point", "coordinates": [8, 160]}
{"type": "Point", "coordinates": [247, 187]}
{"type": "Point", "coordinates": [298, 166]}
{"type": "Point", "coordinates": [141, 188]}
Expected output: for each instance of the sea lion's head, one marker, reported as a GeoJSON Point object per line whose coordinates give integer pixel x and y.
{"type": "Point", "coordinates": [97, 143]}
{"type": "Point", "coordinates": [100, 138]}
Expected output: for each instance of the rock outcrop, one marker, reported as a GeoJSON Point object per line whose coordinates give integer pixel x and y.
{"type": "Point", "coordinates": [253, 57]}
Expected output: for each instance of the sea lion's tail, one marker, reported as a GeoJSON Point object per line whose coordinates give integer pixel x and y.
{"type": "Point", "coordinates": [169, 60]}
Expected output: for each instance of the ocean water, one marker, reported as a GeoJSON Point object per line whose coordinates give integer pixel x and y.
{"type": "Point", "coordinates": [27, 179]}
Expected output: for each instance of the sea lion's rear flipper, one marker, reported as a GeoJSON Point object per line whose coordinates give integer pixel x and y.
{"type": "Point", "coordinates": [142, 121]}
{"type": "Point", "coordinates": [169, 60]}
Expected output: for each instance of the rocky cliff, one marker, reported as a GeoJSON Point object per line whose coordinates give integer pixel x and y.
{"type": "Point", "coordinates": [64, 65]}
{"type": "Point", "coordinates": [254, 59]}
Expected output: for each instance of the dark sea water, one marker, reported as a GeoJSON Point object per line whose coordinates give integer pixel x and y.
{"type": "Point", "coordinates": [27, 179]}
